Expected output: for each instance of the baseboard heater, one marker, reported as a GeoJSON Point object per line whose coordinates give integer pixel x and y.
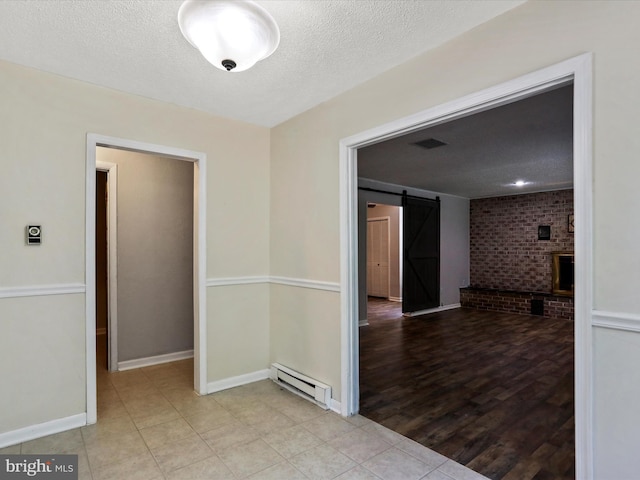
{"type": "Point", "coordinates": [301, 385]}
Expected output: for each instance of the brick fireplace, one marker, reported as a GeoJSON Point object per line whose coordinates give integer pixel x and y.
{"type": "Point", "coordinates": [511, 268]}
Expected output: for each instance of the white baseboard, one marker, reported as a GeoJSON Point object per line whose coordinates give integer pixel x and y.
{"type": "Point", "coordinates": [433, 310]}
{"type": "Point", "coordinates": [42, 429]}
{"type": "Point", "coordinates": [395, 299]}
{"type": "Point", "coordinates": [101, 331]}
{"type": "Point", "coordinates": [156, 360]}
{"type": "Point", "coordinates": [336, 406]}
{"type": "Point", "coordinates": [231, 382]}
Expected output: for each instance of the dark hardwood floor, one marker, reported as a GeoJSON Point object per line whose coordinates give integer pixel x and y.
{"type": "Point", "coordinates": [492, 391]}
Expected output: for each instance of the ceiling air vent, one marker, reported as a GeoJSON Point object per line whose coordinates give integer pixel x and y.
{"type": "Point", "coordinates": [430, 143]}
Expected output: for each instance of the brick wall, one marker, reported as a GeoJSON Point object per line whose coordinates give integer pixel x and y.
{"type": "Point", "coordinates": [505, 251]}
{"type": "Point", "coordinates": [516, 302]}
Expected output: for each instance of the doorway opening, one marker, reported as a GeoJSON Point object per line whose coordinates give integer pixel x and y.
{"type": "Point", "coordinates": [102, 271]}
{"type": "Point", "coordinates": [198, 160]}
{"type": "Point", "coordinates": [383, 239]}
{"type": "Point", "coordinates": [144, 258]}
{"type": "Point", "coordinates": [466, 383]}
{"type": "Point", "coordinates": [378, 257]}
{"type": "Point", "coordinates": [578, 71]}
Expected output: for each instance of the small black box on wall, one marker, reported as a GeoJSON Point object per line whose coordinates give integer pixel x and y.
{"type": "Point", "coordinates": [34, 235]}
{"type": "Point", "coordinates": [537, 306]}
{"type": "Point", "coordinates": [544, 232]}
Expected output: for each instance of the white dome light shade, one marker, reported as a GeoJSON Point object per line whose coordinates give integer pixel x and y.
{"type": "Point", "coordinates": [231, 35]}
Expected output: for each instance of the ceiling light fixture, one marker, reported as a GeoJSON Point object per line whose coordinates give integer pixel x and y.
{"type": "Point", "coordinates": [231, 35]}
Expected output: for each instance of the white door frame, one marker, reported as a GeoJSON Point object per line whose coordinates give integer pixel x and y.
{"type": "Point", "coordinates": [199, 256]}
{"type": "Point", "coordinates": [112, 264]}
{"type": "Point", "coordinates": [577, 70]}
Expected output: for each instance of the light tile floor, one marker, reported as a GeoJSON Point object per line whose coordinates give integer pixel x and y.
{"type": "Point", "coordinates": [151, 425]}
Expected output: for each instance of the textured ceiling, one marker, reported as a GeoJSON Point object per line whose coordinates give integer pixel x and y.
{"type": "Point", "coordinates": [326, 48]}
{"type": "Point", "coordinates": [486, 153]}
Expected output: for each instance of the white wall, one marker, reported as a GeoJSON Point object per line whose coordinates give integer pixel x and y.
{"type": "Point", "coordinates": [305, 178]}
{"type": "Point", "coordinates": [45, 120]}
{"type": "Point", "coordinates": [618, 376]}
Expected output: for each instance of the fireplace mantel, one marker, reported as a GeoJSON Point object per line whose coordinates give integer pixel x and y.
{"type": "Point", "coordinates": [562, 273]}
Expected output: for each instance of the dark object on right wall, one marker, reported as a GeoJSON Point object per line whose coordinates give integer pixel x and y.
{"type": "Point", "coordinates": [562, 271]}
{"type": "Point", "coordinates": [537, 306]}
{"type": "Point", "coordinates": [544, 232]}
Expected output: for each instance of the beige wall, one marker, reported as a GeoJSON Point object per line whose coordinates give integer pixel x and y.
{"type": "Point", "coordinates": [239, 342]}
{"type": "Point", "coordinates": [45, 120]}
{"type": "Point", "coordinates": [303, 332]}
{"type": "Point", "coordinates": [42, 371]}
{"type": "Point", "coordinates": [304, 175]}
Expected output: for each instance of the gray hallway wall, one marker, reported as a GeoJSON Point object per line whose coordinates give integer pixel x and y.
{"type": "Point", "coordinates": [155, 254]}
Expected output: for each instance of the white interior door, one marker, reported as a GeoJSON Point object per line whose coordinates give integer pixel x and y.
{"type": "Point", "coordinates": [378, 257]}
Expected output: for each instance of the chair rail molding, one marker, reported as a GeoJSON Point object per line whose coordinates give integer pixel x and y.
{"type": "Point", "coordinates": [275, 280]}
{"type": "Point", "coordinates": [42, 290]}
{"type": "Point", "coordinates": [628, 322]}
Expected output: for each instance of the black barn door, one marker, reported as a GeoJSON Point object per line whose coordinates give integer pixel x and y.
{"type": "Point", "coordinates": [421, 263]}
